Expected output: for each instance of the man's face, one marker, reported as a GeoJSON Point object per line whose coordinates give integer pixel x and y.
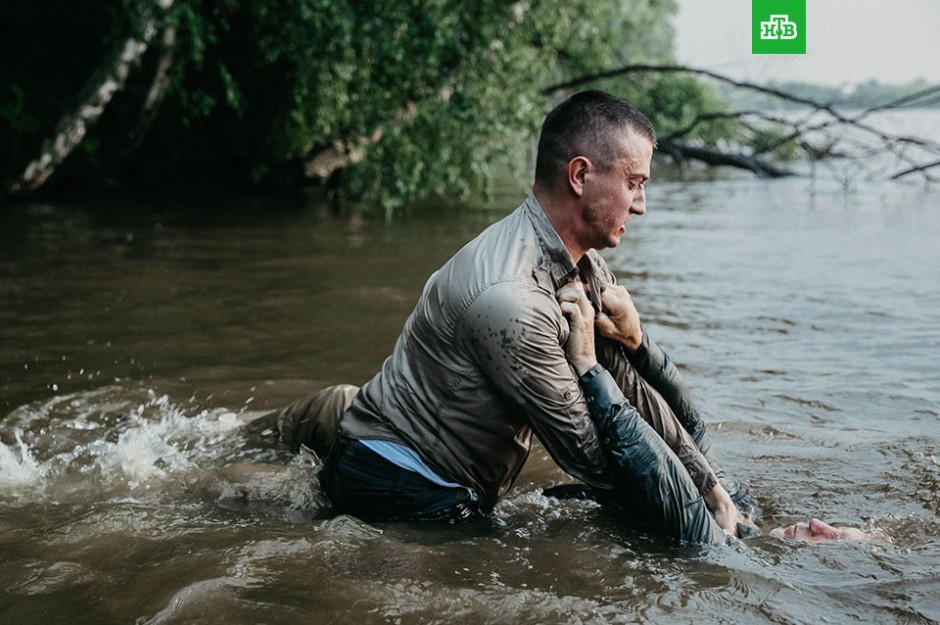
{"type": "Point", "coordinates": [610, 198]}
{"type": "Point", "coordinates": [818, 532]}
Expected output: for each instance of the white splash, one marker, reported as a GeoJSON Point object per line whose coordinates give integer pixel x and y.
{"type": "Point", "coordinates": [109, 443]}
{"type": "Point", "coordinates": [18, 467]}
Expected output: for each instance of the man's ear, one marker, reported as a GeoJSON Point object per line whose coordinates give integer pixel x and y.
{"type": "Point", "coordinates": [578, 167]}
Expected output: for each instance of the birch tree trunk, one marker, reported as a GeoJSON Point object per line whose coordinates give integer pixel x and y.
{"type": "Point", "coordinates": [107, 80]}
{"type": "Point", "coordinates": [155, 95]}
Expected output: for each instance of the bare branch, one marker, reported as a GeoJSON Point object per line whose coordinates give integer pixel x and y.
{"type": "Point", "coordinates": [702, 118]}
{"type": "Point", "coordinates": [666, 69]}
{"type": "Point", "coordinates": [917, 169]}
{"type": "Point", "coordinates": [798, 130]}
{"type": "Point", "coordinates": [682, 152]}
{"type": "Point", "coordinates": [155, 95]}
{"type": "Point", "coordinates": [903, 100]}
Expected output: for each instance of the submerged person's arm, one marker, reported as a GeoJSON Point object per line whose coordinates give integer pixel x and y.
{"type": "Point", "coordinates": [658, 369]}
{"type": "Point", "coordinates": [648, 475]}
{"type": "Point", "coordinates": [620, 323]}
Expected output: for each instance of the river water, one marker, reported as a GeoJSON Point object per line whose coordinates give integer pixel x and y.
{"type": "Point", "coordinates": [134, 339]}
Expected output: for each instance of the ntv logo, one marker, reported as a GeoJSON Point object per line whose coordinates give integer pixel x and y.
{"type": "Point", "coordinates": [778, 27]}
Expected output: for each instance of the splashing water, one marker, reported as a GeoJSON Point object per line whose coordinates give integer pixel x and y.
{"type": "Point", "coordinates": [18, 468]}
{"type": "Point", "coordinates": [113, 443]}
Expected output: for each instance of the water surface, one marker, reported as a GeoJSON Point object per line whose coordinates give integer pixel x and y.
{"type": "Point", "coordinates": [133, 339]}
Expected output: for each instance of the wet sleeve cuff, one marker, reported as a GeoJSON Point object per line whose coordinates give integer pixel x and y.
{"type": "Point", "coordinates": [600, 391]}
{"type": "Point", "coordinates": [643, 357]}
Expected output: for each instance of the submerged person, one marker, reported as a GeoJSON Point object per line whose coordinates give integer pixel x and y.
{"type": "Point", "coordinates": [816, 531]}
{"type": "Point", "coordinates": [442, 431]}
{"type": "Point", "coordinates": [649, 486]}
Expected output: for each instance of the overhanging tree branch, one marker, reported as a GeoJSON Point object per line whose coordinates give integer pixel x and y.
{"type": "Point", "coordinates": [682, 152]}
{"type": "Point", "coordinates": [672, 69]}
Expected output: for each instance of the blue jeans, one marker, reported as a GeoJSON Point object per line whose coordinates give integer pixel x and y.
{"type": "Point", "coordinates": [362, 483]}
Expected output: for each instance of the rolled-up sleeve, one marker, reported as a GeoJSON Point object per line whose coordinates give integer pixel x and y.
{"type": "Point", "coordinates": [516, 333]}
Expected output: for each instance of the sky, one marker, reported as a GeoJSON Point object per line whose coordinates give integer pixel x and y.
{"type": "Point", "coordinates": [848, 41]}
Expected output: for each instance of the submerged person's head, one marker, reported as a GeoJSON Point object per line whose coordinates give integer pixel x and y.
{"type": "Point", "coordinates": [817, 531]}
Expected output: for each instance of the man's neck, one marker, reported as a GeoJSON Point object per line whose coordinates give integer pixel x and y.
{"type": "Point", "coordinates": [561, 215]}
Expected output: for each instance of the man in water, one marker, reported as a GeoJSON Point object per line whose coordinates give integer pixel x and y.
{"type": "Point", "coordinates": [487, 358]}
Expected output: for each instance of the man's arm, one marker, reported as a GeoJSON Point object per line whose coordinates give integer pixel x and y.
{"type": "Point", "coordinates": [515, 332]}
{"type": "Point", "coordinates": [656, 367]}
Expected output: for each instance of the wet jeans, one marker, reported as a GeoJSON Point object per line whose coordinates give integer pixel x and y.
{"type": "Point", "coordinates": [362, 483]}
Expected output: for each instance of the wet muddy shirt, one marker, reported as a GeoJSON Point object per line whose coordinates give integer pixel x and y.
{"type": "Point", "coordinates": [480, 364]}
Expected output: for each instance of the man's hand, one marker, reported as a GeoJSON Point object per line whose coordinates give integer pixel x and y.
{"type": "Point", "coordinates": [618, 319]}
{"type": "Point", "coordinates": [580, 346]}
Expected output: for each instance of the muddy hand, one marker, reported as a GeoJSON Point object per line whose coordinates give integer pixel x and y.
{"type": "Point", "coordinates": [618, 318]}
{"type": "Point", "coordinates": [579, 349]}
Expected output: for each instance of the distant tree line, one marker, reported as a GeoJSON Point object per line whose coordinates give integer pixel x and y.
{"type": "Point", "coordinates": [868, 94]}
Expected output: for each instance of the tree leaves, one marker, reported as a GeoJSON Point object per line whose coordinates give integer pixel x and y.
{"type": "Point", "coordinates": [452, 88]}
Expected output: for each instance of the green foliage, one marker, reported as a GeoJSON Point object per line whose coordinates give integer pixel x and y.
{"type": "Point", "coordinates": [775, 142]}
{"type": "Point", "coordinates": [674, 102]}
{"type": "Point", "coordinates": [43, 70]}
{"type": "Point", "coordinates": [452, 87]}
{"type": "Point", "coordinates": [14, 115]}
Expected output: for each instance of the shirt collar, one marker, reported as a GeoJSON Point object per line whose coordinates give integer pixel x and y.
{"type": "Point", "coordinates": [555, 253]}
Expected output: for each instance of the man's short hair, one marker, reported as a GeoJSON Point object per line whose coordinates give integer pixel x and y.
{"type": "Point", "coordinates": [586, 124]}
